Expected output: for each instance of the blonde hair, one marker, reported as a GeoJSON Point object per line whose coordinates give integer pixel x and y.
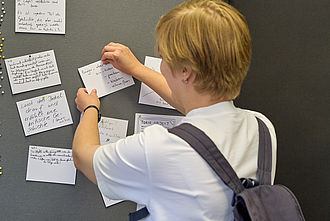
{"type": "Point", "coordinates": [213, 39]}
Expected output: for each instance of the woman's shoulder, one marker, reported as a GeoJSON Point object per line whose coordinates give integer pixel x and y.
{"type": "Point", "coordinates": [262, 117]}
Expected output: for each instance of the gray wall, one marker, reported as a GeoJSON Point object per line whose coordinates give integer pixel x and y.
{"type": "Point", "coordinates": [287, 81]}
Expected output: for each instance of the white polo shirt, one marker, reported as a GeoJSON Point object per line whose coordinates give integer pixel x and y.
{"type": "Point", "coordinates": [163, 172]}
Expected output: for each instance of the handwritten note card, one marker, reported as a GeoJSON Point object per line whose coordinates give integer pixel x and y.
{"type": "Point", "coordinates": [54, 165]}
{"type": "Point", "coordinates": [33, 71]}
{"type": "Point", "coordinates": [145, 120]}
{"type": "Point", "coordinates": [147, 95]}
{"type": "Point", "coordinates": [111, 129]}
{"type": "Point", "coordinates": [104, 77]}
{"type": "Point", "coordinates": [40, 16]}
{"type": "Point", "coordinates": [44, 113]}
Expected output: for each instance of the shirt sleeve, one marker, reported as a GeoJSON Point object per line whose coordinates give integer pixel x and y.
{"type": "Point", "coordinates": [121, 169]}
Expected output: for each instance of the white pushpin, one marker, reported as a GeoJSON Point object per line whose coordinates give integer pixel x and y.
{"type": "Point", "coordinates": [1, 77]}
{"type": "Point", "coordinates": [2, 92]}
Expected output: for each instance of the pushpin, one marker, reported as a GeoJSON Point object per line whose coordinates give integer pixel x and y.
{"type": "Point", "coordinates": [3, 3]}
{"type": "Point", "coordinates": [4, 12]}
{"type": "Point", "coordinates": [1, 45]}
{"type": "Point", "coordinates": [1, 16]}
{"type": "Point", "coordinates": [2, 92]}
{"type": "Point", "coordinates": [3, 57]}
{"type": "Point", "coordinates": [0, 72]}
{"type": "Point", "coordinates": [0, 171]}
{"type": "Point", "coordinates": [1, 77]}
{"type": "Point", "coordinates": [1, 20]}
{"type": "Point", "coordinates": [0, 86]}
{"type": "Point", "coordinates": [2, 39]}
{"type": "Point", "coordinates": [2, 8]}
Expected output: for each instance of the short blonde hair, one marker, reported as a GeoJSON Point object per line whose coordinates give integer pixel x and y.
{"type": "Point", "coordinates": [212, 38]}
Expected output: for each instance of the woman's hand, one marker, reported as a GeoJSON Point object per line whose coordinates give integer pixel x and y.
{"type": "Point", "coordinates": [84, 99]}
{"type": "Point", "coordinates": [122, 58]}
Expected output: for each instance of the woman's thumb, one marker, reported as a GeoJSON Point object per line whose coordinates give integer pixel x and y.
{"type": "Point", "coordinates": [94, 92]}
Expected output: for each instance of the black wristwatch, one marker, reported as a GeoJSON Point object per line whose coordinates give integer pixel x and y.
{"type": "Point", "coordinates": [98, 111]}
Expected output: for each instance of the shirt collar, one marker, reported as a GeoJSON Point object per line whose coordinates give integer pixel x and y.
{"type": "Point", "coordinates": [225, 106]}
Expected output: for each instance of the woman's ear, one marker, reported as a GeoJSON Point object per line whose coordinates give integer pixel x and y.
{"type": "Point", "coordinates": [187, 74]}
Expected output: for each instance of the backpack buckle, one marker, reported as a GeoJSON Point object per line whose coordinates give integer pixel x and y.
{"type": "Point", "coordinates": [249, 183]}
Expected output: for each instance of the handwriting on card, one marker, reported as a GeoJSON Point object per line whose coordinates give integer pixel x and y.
{"type": "Point", "coordinates": [32, 68]}
{"type": "Point", "coordinates": [145, 120]}
{"type": "Point", "coordinates": [165, 123]}
{"type": "Point", "coordinates": [33, 71]}
{"type": "Point", "coordinates": [44, 113]}
{"type": "Point", "coordinates": [50, 156]}
{"type": "Point", "coordinates": [104, 77]}
{"type": "Point", "coordinates": [111, 129]}
{"type": "Point", "coordinates": [40, 16]}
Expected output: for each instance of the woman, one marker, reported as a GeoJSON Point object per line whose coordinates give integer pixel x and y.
{"type": "Point", "coordinates": [206, 51]}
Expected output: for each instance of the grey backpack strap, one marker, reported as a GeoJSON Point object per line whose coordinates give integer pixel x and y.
{"type": "Point", "coordinates": [264, 154]}
{"type": "Point", "coordinates": [210, 153]}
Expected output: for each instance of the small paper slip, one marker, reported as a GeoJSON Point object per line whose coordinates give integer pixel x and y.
{"type": "Point", "coordinates": [147, 95]}
{"type": "Point", "coordinates": [52, 165]}
{"type": "Point", "coordinates": [104, 78]}
{"type": "Point", "coordinates": [40, 16]}
{"type": "Point", "coordinates": [108, 202]}
{"type": "Point", "coordinates": [44, 113]}
{"type": "Point", "coordinates": [31, 72]}
{"type": "Point", "coordinates": [111, 130]}
{"type": "Point", "coordinates": [144, 120]}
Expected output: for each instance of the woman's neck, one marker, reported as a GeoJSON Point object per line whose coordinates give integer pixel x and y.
{"type": "Point", "coordinates": [197, 100]}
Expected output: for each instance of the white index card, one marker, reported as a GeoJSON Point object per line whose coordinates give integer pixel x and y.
{"type": "Point", "coordinates": [144, 120]}
{"type": "Point", "coordinates": [33, 71]}
{"type": "Point", "coordinates": [48, 164]}
{"type": "Point", "coordinates": [105, 78]}
{"type": "Point", "coordinates": [147, 95]}
{"type": "Point", "coordinates": [111, 130]}
{"type": "Point", "coordinates": [36, 16]}
{"type": "Point", "coordinates": [44, 113]}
